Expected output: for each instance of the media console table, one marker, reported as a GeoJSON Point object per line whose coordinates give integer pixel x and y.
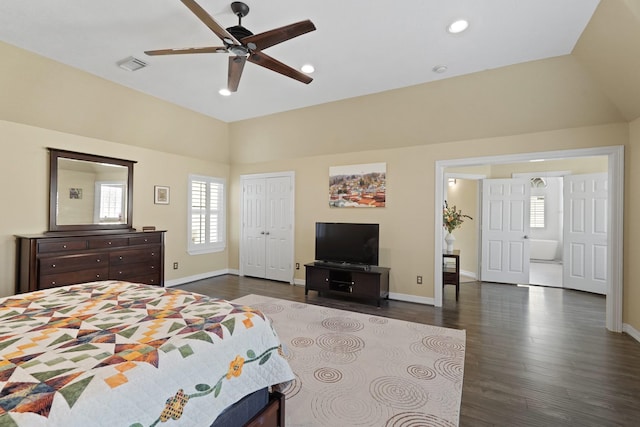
{"type": "Point", "coordinates": [369, 283]}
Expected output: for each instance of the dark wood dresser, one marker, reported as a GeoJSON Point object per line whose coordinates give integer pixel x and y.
{"type": "Point", "coordinates": [59, 259]}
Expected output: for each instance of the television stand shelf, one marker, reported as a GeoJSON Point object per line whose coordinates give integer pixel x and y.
{"type": "Point", "coordinates": [369, 283]}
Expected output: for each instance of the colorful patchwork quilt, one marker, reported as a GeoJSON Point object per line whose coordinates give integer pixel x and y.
{"type": "Point", "coordinates": [122, 354]}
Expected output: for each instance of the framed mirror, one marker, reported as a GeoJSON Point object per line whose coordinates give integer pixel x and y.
{"type": "Point", "coordinates": [88, 192]}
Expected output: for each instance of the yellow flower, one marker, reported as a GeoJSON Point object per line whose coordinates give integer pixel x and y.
{"type": "Point", "coordinates": [235, 367]}
{"type": "Point", "coordinates": [174, 406]}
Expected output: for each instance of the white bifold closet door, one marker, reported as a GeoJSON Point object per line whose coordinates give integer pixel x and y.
{"type": "Point", "coordinates": [267, 227]}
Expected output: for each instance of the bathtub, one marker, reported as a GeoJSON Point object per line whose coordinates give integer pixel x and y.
{"type": "Point", "coordinates": [545, 250]}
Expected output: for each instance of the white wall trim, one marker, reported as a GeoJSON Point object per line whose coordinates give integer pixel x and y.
{"type": "Point", "coordinates": [187, 279]}
{"type": "Point", "coordinates": [411, 298]}
{"type": "Point", "coordinates": [469, 274]}
{"type": "Point", "coordinates": [615, 155]}
{"type": "Point", "coordinates": [393, 295]}
{"type": "Point", "coordinates": [635, 334]}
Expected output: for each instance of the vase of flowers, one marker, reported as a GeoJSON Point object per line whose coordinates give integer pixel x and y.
{"type": "Point", "coordinates": [452, 218]}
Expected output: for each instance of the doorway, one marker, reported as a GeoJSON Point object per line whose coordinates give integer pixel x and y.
{"type": "Point", "coordinates": [614, 206]}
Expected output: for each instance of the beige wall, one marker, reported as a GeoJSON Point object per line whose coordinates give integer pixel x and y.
{"type": "Point", "coordinates": [24, 170]}
{"type": "Point", "coordinates": [407, 223]}
{"type": "Point", "coordinates": [631, 307]}
{"type": "Point", "coordinates": [44, 93]}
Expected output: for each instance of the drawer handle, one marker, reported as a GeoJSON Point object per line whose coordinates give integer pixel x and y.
{"type": "Point", "coordinates": [53, 283]}
{"type": "Point", "coordinates": [153, 267]}
{"type": "Point", "coordinates": [146, 240]}
{"type": "Point", "coordinates": [108, 243]}
{"type": "Point", "coordinates": [120, 273]}
{"type": "Point", "coordinates": [120, 258]}
{"type": "Point", "coordinates": [64, 246]}
{"type": "Point", "coordinates": [53, 266]}
{"type": "Point", "coordinates": [153, 254]}
{"type": "Point", "coordinates": [97, 276]}
{"type": "Point", "coordinates": [98, 260]}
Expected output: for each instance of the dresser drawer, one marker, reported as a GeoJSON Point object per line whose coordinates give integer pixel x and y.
{"type": "Point", "coordinates": [142, 255]}
{"type": "Point", "coordinates": [126, 271]}
{"type": "Point", "coordinates": [103, 243]}
{"type": "Point", "coordinates": [149, 279]}
{"type": "Point", "coordinates": [146, 239]}
{"type": "Point", "coordinates": [65, 245]}
{"type": "Point", "coordinates": [52, 265]}
{"type": "Point", "coordinates": [73, 277]}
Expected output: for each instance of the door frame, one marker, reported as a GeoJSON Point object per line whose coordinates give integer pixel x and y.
{"type": "Point", "coordinates": [292, 176]}
{"type": "Point", "coordinates": [615, 204]}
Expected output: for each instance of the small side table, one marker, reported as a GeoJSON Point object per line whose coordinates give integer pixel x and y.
{"type": "Point", "coordinates": [451, 275]}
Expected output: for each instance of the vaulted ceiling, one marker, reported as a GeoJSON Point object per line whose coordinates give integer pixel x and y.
{"type": "Point", "coordinates": [359, 47]}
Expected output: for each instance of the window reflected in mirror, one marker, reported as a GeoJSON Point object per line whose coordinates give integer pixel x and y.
{"type": "Point", "coordinates": [89, 192]}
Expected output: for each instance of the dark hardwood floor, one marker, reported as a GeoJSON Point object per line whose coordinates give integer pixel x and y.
{"type": "Point", "coordinates": [535, 356]}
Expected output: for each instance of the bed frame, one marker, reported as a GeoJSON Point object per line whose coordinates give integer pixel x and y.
{"type": "Point", "coordinates": [258, 409]}
{"type": "Point", "coordinates": [271, 415]}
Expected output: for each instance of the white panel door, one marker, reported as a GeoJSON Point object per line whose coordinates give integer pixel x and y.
{"type": "Point", "coordinates": [278, 229]}
{"type": "Point", "coordinates": [267, 227]}
{"type": "Point", "coordinates": [585, 232]}
{"type": "Point", "coordinates": [505, 230]}
{"type": "Point", "coordinates": [253, 223]}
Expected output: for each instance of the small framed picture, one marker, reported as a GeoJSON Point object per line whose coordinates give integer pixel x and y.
{"type": "Point", "coordinates": [161, 195]}
{"type": "Point", "coordinates": [75, 193]}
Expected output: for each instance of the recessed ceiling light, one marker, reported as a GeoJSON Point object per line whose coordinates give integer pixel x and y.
{"type": "Point", "coordinates": [458, 26]}
{"type": "Point", "coordinates": [308, 68]}
{"type": "Point", "coordinates": [224, 92]}
{"type": "Point", "coordinates": [439, 69]}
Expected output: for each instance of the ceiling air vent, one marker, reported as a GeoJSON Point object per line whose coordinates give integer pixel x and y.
{"type": "Point", "coordinates": [131, 64]}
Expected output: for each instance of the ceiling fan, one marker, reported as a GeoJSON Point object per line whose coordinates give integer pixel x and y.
{"type": "Point", "coordinates": [243, 44]}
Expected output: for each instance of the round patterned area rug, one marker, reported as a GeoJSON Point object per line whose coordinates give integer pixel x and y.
{"type": "Point", "coordinates": [355, 369]}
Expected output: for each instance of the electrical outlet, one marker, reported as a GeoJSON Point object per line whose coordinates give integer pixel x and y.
{"type": "Point", "coordinates": [297, 266]}
{"type": "Point", "coordinates": [175, 265]}
{"type": "Point", "coordinates": [419, 280]}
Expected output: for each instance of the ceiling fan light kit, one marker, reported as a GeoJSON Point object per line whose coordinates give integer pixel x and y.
{"type": "Point", "coordinates": [458, 26]}
{"type": "Point", "coordinates": [245, 45]}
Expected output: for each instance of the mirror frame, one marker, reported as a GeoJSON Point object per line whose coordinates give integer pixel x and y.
{"type": "Point", "coordinates": [54, 155]}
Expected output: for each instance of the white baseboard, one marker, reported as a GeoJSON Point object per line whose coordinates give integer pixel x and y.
{"type": "Point", "coordinates": [411, 298]}
{"type": "Point", "coordinates": [392, 295]}
{"type": "Point", "coordinates": [471, 274]}
{"type": "Point", "coordinates": [631, 331]}
{"type": "Point", "coordinates": [183, 280]}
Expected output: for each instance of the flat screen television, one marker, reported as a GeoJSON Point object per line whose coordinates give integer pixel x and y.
{"type": "Point", "coordinates": [347, 243]}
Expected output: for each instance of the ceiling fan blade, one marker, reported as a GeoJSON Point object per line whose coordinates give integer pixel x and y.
{"type": "Point", "coordinates": [273, 64]}
{"type": "Point", "coordinates": [210, 22]}
{"type": "Point", "coordinates": [278, 35]}
{"type": "Point", "coordinates": [236, 65]}
{"type": "Point", "coordinates": [213, 49]}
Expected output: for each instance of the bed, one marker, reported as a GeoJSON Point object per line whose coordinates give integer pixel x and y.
{"type": "Point", "coordinates": [119, 353]}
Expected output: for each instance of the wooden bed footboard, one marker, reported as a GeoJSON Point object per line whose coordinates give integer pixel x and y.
{"type": "Point", "coordinates": [271, 415]}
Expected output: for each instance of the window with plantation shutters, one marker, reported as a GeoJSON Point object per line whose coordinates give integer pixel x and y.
{"type": "Point", "coordinates": [537, 212]}
{"type": "Point", "coordinates": [206, 214]}
{"type": "Point", "coordinates": [110, 202]}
